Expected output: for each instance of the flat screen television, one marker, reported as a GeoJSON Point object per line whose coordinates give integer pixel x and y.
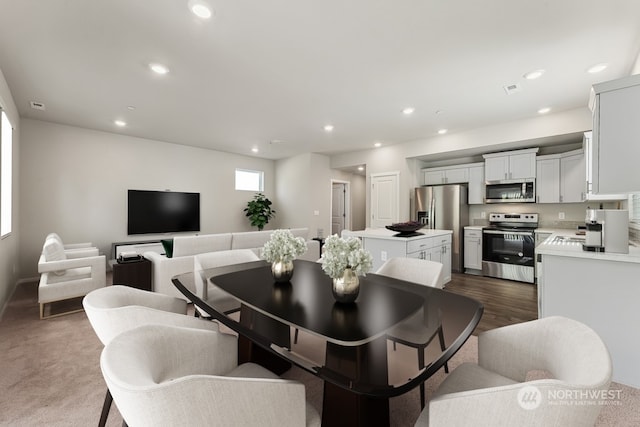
{"type": "Point", "coordinates": [162, 212]}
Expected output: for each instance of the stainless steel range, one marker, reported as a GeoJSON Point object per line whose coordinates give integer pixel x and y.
{"type": "Point", "coordinates": [508, 245]}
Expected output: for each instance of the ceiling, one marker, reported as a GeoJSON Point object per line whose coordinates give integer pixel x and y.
{"type": "Point", "coordinates": [271, 74]}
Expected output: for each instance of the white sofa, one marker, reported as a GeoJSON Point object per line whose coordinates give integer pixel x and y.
{"type": "Point", "coordinates": [186, 247]}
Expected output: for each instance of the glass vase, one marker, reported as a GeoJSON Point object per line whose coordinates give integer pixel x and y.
{"type": "Point", "coordinates": [282, 271]}
{"type": "Point", "coordinates": [346, 288]}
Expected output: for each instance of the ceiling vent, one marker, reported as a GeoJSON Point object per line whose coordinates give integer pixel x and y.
{"type": "Point", "coordinates": [511, 89]}
{"type": "Point", "coordinates": [37, 105]}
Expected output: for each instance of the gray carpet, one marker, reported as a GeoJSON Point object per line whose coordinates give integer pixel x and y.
{"type": "Point", "coordinates": [50, 374]}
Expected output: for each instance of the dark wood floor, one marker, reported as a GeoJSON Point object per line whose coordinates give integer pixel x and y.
{"type": "Point", "coordinates": [505, 302]}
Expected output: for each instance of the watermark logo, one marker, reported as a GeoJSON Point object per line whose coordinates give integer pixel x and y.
{"type": "Point", "coordinates": [529, 397]}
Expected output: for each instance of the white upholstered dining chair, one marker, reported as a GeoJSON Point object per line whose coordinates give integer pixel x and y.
{"type": "Point", "coordinates": [495, 392]}
{"type": "Point", "coordinates": [215, 296]}
{"type": "Point", "coordinates": [116, 309]}
{"type": "Point", "coordinates": [412, 332]}
{"type": "Point", "coordinates": [155, 382]}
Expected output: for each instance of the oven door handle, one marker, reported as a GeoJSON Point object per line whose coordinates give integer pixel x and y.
{"type": "Point", "coordinates": [515, 233]}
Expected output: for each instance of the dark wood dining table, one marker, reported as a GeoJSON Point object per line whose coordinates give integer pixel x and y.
{"type": "Point", "coordinates": [346, 345]}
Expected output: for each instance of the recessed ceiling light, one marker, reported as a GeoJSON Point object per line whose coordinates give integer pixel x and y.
{"type": "Point", "coordinates": [377, 144]}
{"type": "Point", "coordinates": [120, 123]}
{"type": "Point", "coordinates": [158, 68]}
{"type": "Point", "coordinates": [360, 168]}
{"type": "Point", "coordinates": [544, 110]}
{"type": "Point", "coordinates": [328, 128]}
{"type": "Point", "coordinates": [131, 108]}
{"type": "Point", "coordinates": [200, 8]}
{"type": "Point", "coordinates": [408, 110]}
{"type": "Point", "coordinates": [254, 149]}
{"type": "Point", "coordinates": [597, 68]}
{"type": "Point", "coordinates": [532, 75]}
{"type": "Point", "coordinates": [442, 131]}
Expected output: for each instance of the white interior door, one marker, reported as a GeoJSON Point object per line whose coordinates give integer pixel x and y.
{"type": "Point", "coordinates": [385, 204]}
{"type": "Point", "coordinates": [338, 207]}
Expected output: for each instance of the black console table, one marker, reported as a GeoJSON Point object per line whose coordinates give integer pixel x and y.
{"type": "Point", "coordinates": [136, 274]}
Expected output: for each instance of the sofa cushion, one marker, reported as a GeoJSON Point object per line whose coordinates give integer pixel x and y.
{"type": "Point", "coordinates": [257, 239]}
{"type": "Point", "coordinates": [192, 245]}
{"type": "Point", "coordinates": [250, 239]}
{"type": "Point", "coordinates": [167, 245]}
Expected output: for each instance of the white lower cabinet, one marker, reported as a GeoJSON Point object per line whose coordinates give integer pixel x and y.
{"type": "Point", "coordinates": [435, 248]}
{"type": "Point", "coordinates": [472, 249]}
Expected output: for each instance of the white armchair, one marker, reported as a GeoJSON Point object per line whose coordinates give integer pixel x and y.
{"type": "Point", "coordinates": [155, 382]}
{"type": "Point", "coordinates": [115, 309]}
{"type": "Point", "coordinates": [412, 332]}
{"type": "Point", "coordinates": [495, 391]}
{"type": "Point", "coordinates": [68, 273]}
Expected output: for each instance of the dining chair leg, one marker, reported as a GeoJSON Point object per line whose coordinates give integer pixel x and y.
{"type": "Point", "coordinates": [442, 347]}
{"type": "Point", "coordinates": [421, 366]}
{"type": "Point", "coordinates": [295, 336]}
{"type": "Point", "coordinates": [105, 409]}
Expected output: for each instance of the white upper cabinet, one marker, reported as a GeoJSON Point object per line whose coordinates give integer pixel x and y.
{"type": "Point", "coordinates": [548, 179]}
{"type": "Point", "coordinates": [572, 177]}
{"type": "Point", "coordinates": [616, 130]}
{"type": "Point", "coordinates": [520, 164]}
{"type": "Point", "coordinates": [561, 178]}
{"type": "Point", "coordinates": [476, 184]}
{"type": "Point", "coordinates": [446, 175]}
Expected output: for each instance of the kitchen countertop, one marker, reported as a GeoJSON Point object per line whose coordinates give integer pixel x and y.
{"type": "Point", "coordinates": [383, 233]}
{"type": "Point", "coordinates": [474, 227]}
{"type": "Point", "coordinates": [573, 248]}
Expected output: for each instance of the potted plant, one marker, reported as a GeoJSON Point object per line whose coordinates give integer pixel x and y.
{"type": "Point", "coordinates": [344, 260]}
{"type": "Point", "coordinates": [259, 211]}
{"type": "Point", "coordinates": [282, 248]}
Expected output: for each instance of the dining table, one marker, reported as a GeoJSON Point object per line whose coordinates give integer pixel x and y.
{"type": "Point", "coordinates": [352, 347]}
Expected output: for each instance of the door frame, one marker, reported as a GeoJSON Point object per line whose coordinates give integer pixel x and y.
{"type": "Point", "coordinates": [347, 204]}
{"type": "Point", "coordinates": [370, 191]}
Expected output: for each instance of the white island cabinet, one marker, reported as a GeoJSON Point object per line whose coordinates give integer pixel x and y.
{"type": "Point", "coordinates": [601, 290]}
{"type": "Point", "coordinates": [383, 244]}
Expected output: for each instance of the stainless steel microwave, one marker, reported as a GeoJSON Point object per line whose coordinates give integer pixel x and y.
{"type": "Point", "coordinates": [511, 191]}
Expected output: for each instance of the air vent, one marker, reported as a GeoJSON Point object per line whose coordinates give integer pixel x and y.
{"type": "Point", "coordinates": [511, 89]}
{"type": "Point", "coordinates": [37, 105]}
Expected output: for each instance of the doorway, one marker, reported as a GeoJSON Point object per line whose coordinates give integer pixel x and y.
{"type": "Point", "coordinates": [340, 203]}
{"type": "Point", "coordinates": [385, 202]}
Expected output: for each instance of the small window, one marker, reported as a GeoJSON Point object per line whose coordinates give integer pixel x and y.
{"type": "Point", "coordinates": [6, 158]}
{"type": "Point", "coordinates": [247, 180]}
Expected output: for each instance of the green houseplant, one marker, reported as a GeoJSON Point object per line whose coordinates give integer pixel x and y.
{"type": "Point", "coordinates": [259, 211]}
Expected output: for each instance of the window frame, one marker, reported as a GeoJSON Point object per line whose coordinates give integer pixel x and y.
{"type": "Point", "coordinates": [6, 175]}
{"type": "Point", "coordinates": [259, 176]}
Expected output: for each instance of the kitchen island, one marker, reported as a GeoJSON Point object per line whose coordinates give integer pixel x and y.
{"type": "Point", "coordinates": [601, 290]}
{"type": "Point", "coordinates": [425, 244]}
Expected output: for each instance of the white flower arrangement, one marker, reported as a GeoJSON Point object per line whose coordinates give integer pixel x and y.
{"type": "Point", "coordinates": [283, 247]}
{"type": "Point", "coordinates": [339, 253]}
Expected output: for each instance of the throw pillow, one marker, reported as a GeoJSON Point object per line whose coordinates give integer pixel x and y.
{"type": "Point", "coordinates": [167, 244]}
{"type": "Point", "coordinates": [54, 251]}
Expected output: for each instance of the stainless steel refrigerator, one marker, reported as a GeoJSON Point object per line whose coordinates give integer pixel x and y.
{"type": "Point", "coordinates": [444, 207]}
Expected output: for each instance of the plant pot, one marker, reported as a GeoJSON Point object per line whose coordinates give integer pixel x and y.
{"type": "Point", "coordinates": [346, 288]}
{"type": "Point", "coordinates": [282, 271]}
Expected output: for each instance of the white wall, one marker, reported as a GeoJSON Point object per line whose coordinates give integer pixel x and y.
{"type": "Point", "coordinates": [402, 157]}
{"type": "Point", "coordinates": [74, 182]}
{"type": "Point", "coordinates": [303, 187]}
{"type": "Point", "coordinates": [9, 246]}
